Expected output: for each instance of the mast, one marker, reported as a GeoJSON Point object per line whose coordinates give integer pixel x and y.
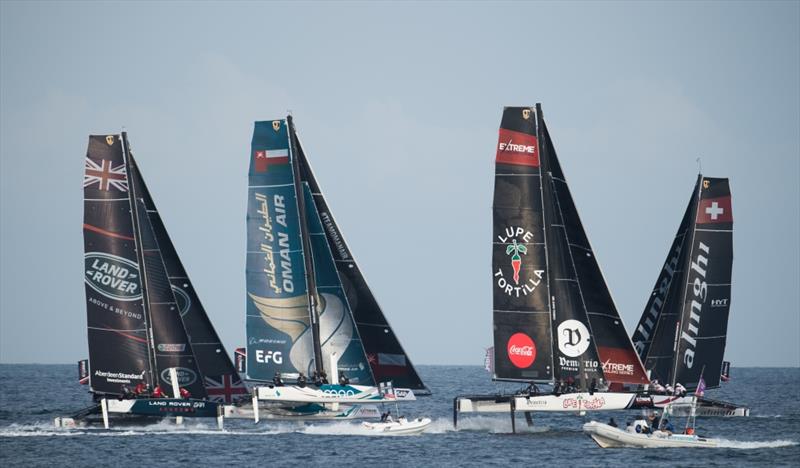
{"type": "Point", "coordinates": [308, 258]}
{"type": "Point", "coordinates": [137, 235]}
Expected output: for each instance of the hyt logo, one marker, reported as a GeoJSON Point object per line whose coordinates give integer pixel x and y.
{"type": "Point", "coordinates": [719, 302]}
{"type": "Point", "coordinates": [113, 277]}
{"type": "Point", "coordinates": [265, 357]}
{"type": "Point", "coordinates": [186, 376]}
{"type": "Point", "coordinates": [521, 350]}
{"type": "Point", "coordinates": [573, 338]}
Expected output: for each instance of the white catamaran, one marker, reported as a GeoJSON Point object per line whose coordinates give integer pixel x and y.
{"type": "Point", "coordinates": [683, 329]}
{"type": "Point", "coordinates": [311, 318]}
{"type": "Point", "coordinates": [554, 319]}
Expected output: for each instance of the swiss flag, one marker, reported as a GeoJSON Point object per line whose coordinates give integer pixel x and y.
{"type": "Point", "coordinates": [715, 210]}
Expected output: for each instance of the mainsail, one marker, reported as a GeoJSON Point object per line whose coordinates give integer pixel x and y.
{"type": "Point", "coordinates": [386, 357]}
{"type": "Point", "coordinates": [554, 318]}
{"type": "Point", "coordinates": [681, 335]}
{"type": "Point", "coordinates": [300, 271]}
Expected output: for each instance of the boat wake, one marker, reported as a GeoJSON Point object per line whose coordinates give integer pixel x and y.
{"type": "Point", "coordinates": [743, 445]}
{"type": "Point", "coordinates": [488, 424]}
{"type": "Point", "coordinates": [163, 428]}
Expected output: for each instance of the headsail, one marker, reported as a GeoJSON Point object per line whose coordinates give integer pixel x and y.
{"type": "Point", "coordinates": [115, 311]}
{"type": "Point", "coordinates": [386, 356]}
{"type": "Point", "coordinates": [578, 284]}
{"type": "Point", "coordinates": [690, 302]}
{"type": "Point", "coordinates": [220, 378]}
{"type": "Point", "coordinates": [554, 318]}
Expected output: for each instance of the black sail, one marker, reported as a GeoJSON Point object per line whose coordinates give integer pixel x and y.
{"type": "Point", "coordinates": [521, 314]}
{"type": "Point", "coordinates": [386, 356]}
{"type": "Point", "coordinates": [119, 354]}
{"type": "Point", "coordinates": [707, 291]}
{"type": "Point", "coordinates": [590, 338]}
{"type": "Point", "coordinates": [654, 336]}
{"type": "Point", "coordinates": [220, 378]}
{"type": "Point", "coordinates": [170, 343]}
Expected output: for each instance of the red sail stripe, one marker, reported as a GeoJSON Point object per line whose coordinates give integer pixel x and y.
{"type": "Point", "coordinates": [135, 338]}
{"type": "Point", "coordinates": [96, 229]}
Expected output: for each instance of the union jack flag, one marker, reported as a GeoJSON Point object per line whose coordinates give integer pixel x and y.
{"type": "Point", "coordinates": [224, 388]}
{"type": "Point", "coordinates": [105, 176]}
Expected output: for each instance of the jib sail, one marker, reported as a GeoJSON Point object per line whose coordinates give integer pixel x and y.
{"type": "Point", "coordinates": [554, 319]}
{"type": "Point", "coordinates": [221, 381]}
{"type": "Point", "coordinates": [170, 343]}
{"type": "Point", "coordinates": [690, 302]}
{"type": "Point", "coordinates": [591, 339]}
{"type": "Point", "coordinates": [119, 354]}
{"type": "Point", "coordinates": [386, 357]}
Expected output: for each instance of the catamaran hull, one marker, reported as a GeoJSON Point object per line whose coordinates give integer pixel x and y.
{"type": "Point", "coordinates": [351, 394]}
{"type": "Point", "coordinates": [568, 402]}
{"type": "Point", "coordinates": [140, 412]}
{"type": "Point", "coordinates": [306, 412]}
{"type": "Point", "coordinates": [682, 406]}
{"type": "Point", "coordinates": [611, 437]}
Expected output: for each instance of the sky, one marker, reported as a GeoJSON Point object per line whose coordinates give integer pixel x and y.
{"type": "Point", "coordinates": [398, 107]}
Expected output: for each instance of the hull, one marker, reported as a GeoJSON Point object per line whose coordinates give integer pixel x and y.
{"type": "Point", "coordinates": [682, 406]}
{"type": "Point", "coordinates": [330, 394]}
{"type": "Point", "coordinates": [305, 412]}
{"type": "Point", "coordinates": [569, 402]}
{"type": "Point", "coordinates": [611, 437]}
{"type": "Point", "coordinates": [140, 412]}
{"type": "Point", "coordinates": [400, 427]}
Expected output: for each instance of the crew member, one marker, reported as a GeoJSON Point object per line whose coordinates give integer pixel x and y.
{"type": "Point", "coordinates": [301, 380]}
{"type": "Point", "coordinates": [324, 377]}
{"type": "Point", "coordinates": [157, 392]}
{"type": "Point", "coordinates": [343, 380]}
{"type": "Point", "coordinates": [140, 389]}
{"type": "Point", "coordinates": [277, 380]}
{"type": "Point", "coordinates": [612, 423]}
{"type": "Point", "coordinates": [680, 390]}
{"type": "Point", "coordinates": [185, 393]}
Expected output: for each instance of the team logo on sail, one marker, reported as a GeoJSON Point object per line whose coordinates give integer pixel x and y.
{"type": "Point", "coordinates": [182, 299]}
{"type": "Point", "coordinates": [526, 114]}
{"type": "Point", "coordinates": [699, 268]}
{"type": "Point", "coordinates": [515, 239]}
{"type": "Point", "coordinates": [276, 125]}
{"type": "Point", "coordinates": [573, 338]}
{"type": "Point", "coordinates": [186, 376]}
{"type": "Point", "coordinates": [113, 277]}
{"type": "Point", "coordinates": [110, 140]}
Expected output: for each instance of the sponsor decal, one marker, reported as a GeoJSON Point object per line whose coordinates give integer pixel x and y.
{"type": "Point", "coordinates": [119, 377]}
{"type": "Point", "coordinates": [698, 270]}
{"type": "Point", "coordinates": [182, 299]}
{"type": "Point", "coordinates": [517, 148]}
{"type": "Point", "coordinates": [105, 175]}
{"type": "Point", "coordinates": [573, 338]}
{"type": "Point", "coordinates": [715, 210]}
{"type": "Point", "coordinates": [647, 325]}
{"type": "Point", "coordinates": [110, 140]}
{"type": "Point", "coordinates": [620, 363]}
{"type": "Point", "coordinates": [265, 357]}
{"type": "Point", "coordinates": [521, 350]}
{"type": "Point", "coordinates": [263, 159]}
{"type": "Point", "coordinates": [512, 280]}
{"type": "Point", "coordinates": [526, 114]}
{"type": "Point", "coordinates": [719, 302]}
{"type": "Point", "coordinates": [280, 277]}
{"type": "Point", "coordinates": [276, 125]}
{"type": "Point", "coordinates": [580, 402]}
{"type": "Point", "coordinates": [186, 376]}
{"type": "Point", "coordinates": [171, 347]}
{"type": "Point", "coordinates": [112, 276]}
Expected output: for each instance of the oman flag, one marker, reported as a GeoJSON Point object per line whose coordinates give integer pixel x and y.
{"type": "Point", "coordinates": [263, 159]}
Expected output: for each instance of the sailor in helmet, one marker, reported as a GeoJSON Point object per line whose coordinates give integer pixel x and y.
{"type": "Point", "coordinates": [680, 389]}
{"type": "Point", "coordinates": [657, 387]}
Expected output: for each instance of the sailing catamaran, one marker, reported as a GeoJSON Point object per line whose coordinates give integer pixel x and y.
{"type": "Point", "coordinates": [146, 324]}
{"type": "Point", "coordinates": [681, 335]}
{"type": "Point", "coordinates": [554, 319]}
{"type": "Point", "coordinates": [310, 313]}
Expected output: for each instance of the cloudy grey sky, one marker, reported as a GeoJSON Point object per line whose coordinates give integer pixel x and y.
{"type": "Point", "coordinates": [398, 106]}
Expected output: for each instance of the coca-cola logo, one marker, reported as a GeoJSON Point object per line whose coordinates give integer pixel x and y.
{"type": "Point", "coordinates": [521, 350]}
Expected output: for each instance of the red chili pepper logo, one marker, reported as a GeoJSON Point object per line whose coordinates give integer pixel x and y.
{"type": "Point", "coordinates": [516, 260]}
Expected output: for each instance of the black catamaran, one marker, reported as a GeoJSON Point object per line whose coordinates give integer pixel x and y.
{"type": "Point", "coordinates": [309, 310]}
{"type": "Point", "coordinates": [554, 319]}
{"type": "Point", "coordinates": [145, 321]}
{"type": "Point", "coordinates": [682, 333]}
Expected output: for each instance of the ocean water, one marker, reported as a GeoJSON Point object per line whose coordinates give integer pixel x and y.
{"type": "Point", "coordinates": [32, 395]}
